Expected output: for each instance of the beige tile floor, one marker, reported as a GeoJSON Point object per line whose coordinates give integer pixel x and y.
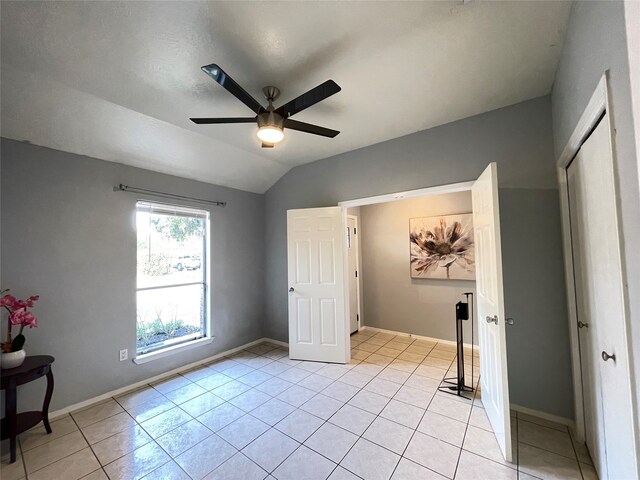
{"type": "Point", "coordinates": [257, 414]}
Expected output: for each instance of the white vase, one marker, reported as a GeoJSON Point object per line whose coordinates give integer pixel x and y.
{"type": "Point", "coordinates": [13, 359]}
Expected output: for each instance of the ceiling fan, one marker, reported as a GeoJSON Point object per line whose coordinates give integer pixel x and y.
{"type": "Point", "coordinates": [272, 121]}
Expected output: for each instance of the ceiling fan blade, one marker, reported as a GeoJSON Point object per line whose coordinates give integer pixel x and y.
{"type": "Point", "coordinates": [204, 121]}
{"type": "Point", "coordinates": [219, 75]}
{"type": "Point", "coordinates": [308, 99]}
{"type": "Point", "coordinates": [309, 128]}
{"type": "Point", "coordinates": [267, 145]}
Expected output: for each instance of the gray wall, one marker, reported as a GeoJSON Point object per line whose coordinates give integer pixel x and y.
{"type": "Point", "coordinates": [68, 237]}
{"type": "Point", "coordinates": [533, 273]}
{"type": "Point", "coordinates": [596, 42]}
{"type": "Point", "coordinates": [392, 299]}
{"type": "Point", "coordinates": [519, 139]}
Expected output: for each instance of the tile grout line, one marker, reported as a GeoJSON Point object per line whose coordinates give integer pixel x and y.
{"type": "Point", "coordinates": [467, 423]}
{"type": "Point", "coordinates": [377, 416]}
{"type": "Point", "coordinates": [153, 440]}
{"type": "Point", "coordinates": [464, 437]}
{"type": "Point", "coordinates": [416, 429]}
{"type": "Point", "coordinates": [518, 447]}
{"type": "Point", "coordinates": [401, 456]}
{"type": "Point", "coordinates": [327, 421]}
{"type": "Point", "coordinates": [24, 463]}
{"type": "Point", "coordinates": [90, 447]}
{"type": "Point", "coordinates": [61, 458]}
{"type": "Point", "coordinates": [573, 447]}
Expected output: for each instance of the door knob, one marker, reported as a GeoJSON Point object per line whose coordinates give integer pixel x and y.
{"type": "Point", "coordinates": [509, 321]}
{"type": "Point", "coordinates": [493, 319]}
{"type": "Point", "coordinates": [291, 290]}
{"type": "Point", "coordinates": [606, 356]}
{"type": "Point", "coordinates": [583, 325]}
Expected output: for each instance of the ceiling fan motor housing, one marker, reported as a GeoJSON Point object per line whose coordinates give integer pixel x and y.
{"type": "Point", "coordinates": [270, 119]}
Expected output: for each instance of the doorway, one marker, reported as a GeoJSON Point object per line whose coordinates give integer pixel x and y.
{"type": "Point", "coordinates": [401, 296]}
{"type": "Point", "coordinates": [490, 307]}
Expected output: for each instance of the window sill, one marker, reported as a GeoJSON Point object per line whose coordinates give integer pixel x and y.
{"type": "Point", "coordinates": [165, 352]}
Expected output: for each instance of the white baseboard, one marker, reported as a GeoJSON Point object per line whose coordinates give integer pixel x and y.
{"type": "Point", "coordinates": [114, 393]}
{"type": "Point", "coordinates": [418, 337]}
{"type": "Point", "coordinates": [276, 342]}
{"type": "Point", "coordinates": [543, 415]}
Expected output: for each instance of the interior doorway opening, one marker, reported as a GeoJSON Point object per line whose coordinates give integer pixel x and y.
{"type": "Point", "coordinates": [489, 288]}
{"type": "Point", "coordinates": [395, 292]}
{"type": "Point", "coordinates": [399, 286]}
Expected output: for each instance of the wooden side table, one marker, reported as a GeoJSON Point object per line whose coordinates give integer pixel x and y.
{"type": "Point", "coordinates": [15, 423]}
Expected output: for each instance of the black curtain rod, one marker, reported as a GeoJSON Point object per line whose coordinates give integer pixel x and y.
{"type": "Point", "coordinates": [127, 188]}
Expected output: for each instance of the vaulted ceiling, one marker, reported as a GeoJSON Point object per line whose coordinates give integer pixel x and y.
{"type": "Point", "coordinates": [119, 80]}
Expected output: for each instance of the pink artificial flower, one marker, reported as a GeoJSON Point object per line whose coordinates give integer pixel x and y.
{"type": "Point", "coordinates": [15, 318]}
{"type": "Point", "coordinates": [31, 300]}
{"type": "Point", "coordinates": [10, 302]}
{"type": "Point", "coordinates": [22, 317]}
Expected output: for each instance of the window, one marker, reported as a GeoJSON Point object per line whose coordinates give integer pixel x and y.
{"type": "Point", "coordinates": [172, 293]}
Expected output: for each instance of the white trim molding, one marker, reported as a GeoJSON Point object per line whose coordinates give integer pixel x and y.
{"type": "Point", "coordinates": [543, 415]}
{"type": "Point", "coordinates": [422, 192]}
{"type": "Point", "coordinates": [417, 337]}
{"type": "Point", "coordinates": [165, 352]}
{"type": "Point", "coordinates": [588, 120]}
{"type": "Point", "coordinates": [134, 386]}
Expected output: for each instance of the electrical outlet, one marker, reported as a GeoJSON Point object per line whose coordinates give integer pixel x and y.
{"type": "Point", "coordinates": [124, 354]}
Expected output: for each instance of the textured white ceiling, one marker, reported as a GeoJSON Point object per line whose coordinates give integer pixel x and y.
{"type": "Point", "coordinates": [119, 80]}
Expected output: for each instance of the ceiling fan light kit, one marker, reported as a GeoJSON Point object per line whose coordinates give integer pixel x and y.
{"type": "Point", "coordinates": [270, 129]}
{"type": "Point", "coordinates": [272, 121]}
{"type": "Point", "coordinates": [270, 134]}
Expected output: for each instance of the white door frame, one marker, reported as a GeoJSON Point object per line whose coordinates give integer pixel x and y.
{"type": "Point", "coordinates": [359, 282]}
{"type": "Point", "coordinates": [597, 106]}
{"type": "Point", "coordinates": [421, 192]}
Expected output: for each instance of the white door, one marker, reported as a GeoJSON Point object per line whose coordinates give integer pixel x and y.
{"type": "Point", "coordinates": [317, 261]}
{"type": "Point", "coordinates": [600, 304]}
{"type": "Point", "coordinates": [591, 388]}
{"type": "Point", "coordinates": [491, 317]}
{"type": "Point", "coordinates": [352, 273]}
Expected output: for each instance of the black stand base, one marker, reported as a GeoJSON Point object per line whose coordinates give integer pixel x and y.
{"type": "Point", "coordinates": [457, 385]}
{"type": "Point", "coordinates": [456, 388]}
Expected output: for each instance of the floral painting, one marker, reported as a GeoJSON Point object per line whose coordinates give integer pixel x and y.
{"type": "Point", "coordinates": [442, 247]}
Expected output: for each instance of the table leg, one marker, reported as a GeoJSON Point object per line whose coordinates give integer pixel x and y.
{"type": "Point", "coordinates": [12, 418]}
{"type": "Point", "coordinates": [47, 401]}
